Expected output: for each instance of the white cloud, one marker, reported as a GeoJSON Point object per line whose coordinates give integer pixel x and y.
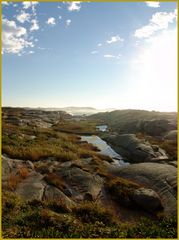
{"type": "Point", "coordinates": [114, 39]}
{"type": "Point", "coordinates": [94, 52]}
{"type": "Point", "coordinates": [14, 38]}
{"type": "Point", "coordinates": [23, 17]}
{"type": "Point", "coordinates": [29, 4]}
{"type": "Point", "coordinates": [60, 17]}
{"type": "Point", "coordinates": [109, 56]}
{"type": "Point", "coordinates": [162, 19]}
{"type": "Point", "coordinates": [159, 21]}
{"type": "Point", "coordinates": [35, 25]}
{"type": "Point", "coordinates": [68, 22]}
{"type": "Point", "coordinates": [99, 44]}
{"type": "Point", "coordinates": [153, 4]}
{"type": "Point", "coordinates": [74, 6]}
{"type": "Point", "coordinates": [112, 56]}
{"type": "Point", "coordinates": [51, 21]}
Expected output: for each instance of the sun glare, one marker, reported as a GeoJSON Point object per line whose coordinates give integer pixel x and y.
{"type": "Point", "coordinates": [156, 68]}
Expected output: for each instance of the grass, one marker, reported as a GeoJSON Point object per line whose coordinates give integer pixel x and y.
{"type": "Point", "coordinates": [82, 127]}
{"type": "Point", "coordinates": [53, 219]}
{"type": "Point", "coordinates": [121, 190]}
{"type": "Point", "coordinates": [38, 219]}
{"type": "Point", "coordinates": [48, 143]}
{"type": "Point", "coordinates": [14, 180]}
{"type": "Point", "coordinates": [54, 180]}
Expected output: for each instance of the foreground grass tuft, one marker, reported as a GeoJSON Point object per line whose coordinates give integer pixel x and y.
{"type": "Point", "coordinates": [38, 219]}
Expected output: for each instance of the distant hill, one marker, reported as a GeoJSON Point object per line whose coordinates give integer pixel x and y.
{"type": "Point", "coordinates": [77, 110]}
{"type": "Point", "coordinates": [130, 121]}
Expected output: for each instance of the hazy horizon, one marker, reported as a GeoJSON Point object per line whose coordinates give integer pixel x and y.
{"type": "Point", "coordinates": [100, 109]}
{"type": "Point", "coordinates": [119, 55]}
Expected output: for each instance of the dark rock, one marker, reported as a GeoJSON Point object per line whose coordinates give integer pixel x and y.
{"type": "Point", "coordinates": [88, 197]}
{"type": "Point", "coordinates": [136, 150]}
{"type": "Point", "coordinates": [156, 127]}
{"type": "Point", "coordinates": [147, 199]}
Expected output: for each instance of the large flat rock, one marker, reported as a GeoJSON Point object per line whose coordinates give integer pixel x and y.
{"type": "Point", "coordinates": [162, 178]}
{"type": "Point", "coordinates": [81, 182]}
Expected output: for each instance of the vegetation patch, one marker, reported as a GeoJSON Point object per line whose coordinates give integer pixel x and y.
{"type": "Point", "coordinates": [54, 180]}
{"type": "Point", "coordinates": [37, 219]}
{"type": "Point", "coordinates": [121, 190]}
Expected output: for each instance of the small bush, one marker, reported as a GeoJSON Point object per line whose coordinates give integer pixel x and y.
{"type": "Point", "coordinates": [23, 172]}
{"type": "Point", "coordinates": [13, 181]}
{"type": "Point", "coordinates": [121, 190]}
{"type": "Point", "coordinates": [54, 180]}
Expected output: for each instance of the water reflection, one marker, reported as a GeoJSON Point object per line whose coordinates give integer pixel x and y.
{"type": "Point", "coordinates": [104, 148]}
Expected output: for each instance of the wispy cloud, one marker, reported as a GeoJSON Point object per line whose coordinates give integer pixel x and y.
{"type": "Point", "coordinates": [114, 39]}
{"type": "Point", "coordinates": [99, 44]}
{"type": "Point", "coordinates": [68, 22]}
{"type": "Point", "coordinates": [112, 56]}
{"type": "Point", "coordinates": [159, 21]}
{"type": "Point", "coordinates": [74, 6]}
{"type": "Point", "coordinates": [51, 21]}
{"type": "Point", "coordinates": [153, 4]}
{"type": "Point", "coordinates": [14, 38]}
{"type": "Point", "coordinates": [94, 52]}
{"type": "Point", "coordinates": [109, 56]}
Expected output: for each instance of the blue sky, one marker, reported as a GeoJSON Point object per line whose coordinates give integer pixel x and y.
{"type": "Point", "coordinates": [98, 54]}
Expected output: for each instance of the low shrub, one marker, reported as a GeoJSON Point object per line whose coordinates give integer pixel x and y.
{"type": "Point", "coordinates": [13, 181]}
{"type": "Point", "coordinates": [121, 190]}
{"type": "Point", "coordinates": [54, 180]}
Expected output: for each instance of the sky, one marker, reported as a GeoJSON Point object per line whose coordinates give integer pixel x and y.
{"type": "Point", "coordinates": [119, 55]}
